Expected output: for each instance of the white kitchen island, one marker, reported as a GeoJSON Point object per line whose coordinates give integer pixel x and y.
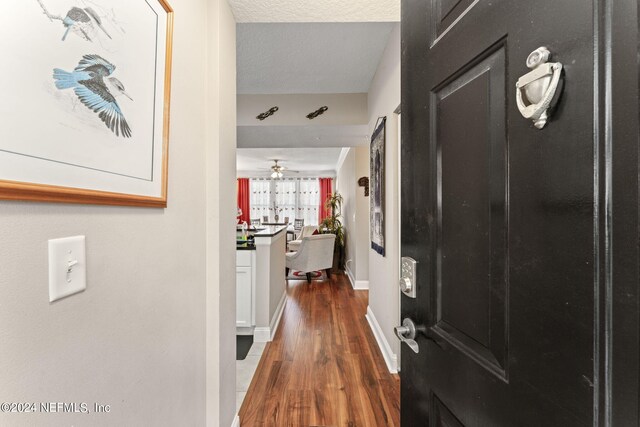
{"type": "Point", "coordinates": [261, 284]}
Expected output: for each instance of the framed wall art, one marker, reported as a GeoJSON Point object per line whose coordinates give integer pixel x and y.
{"type": "Point", "coordinates": [377, 170]}
{"type": "Point", "coordinates": [85, 111]}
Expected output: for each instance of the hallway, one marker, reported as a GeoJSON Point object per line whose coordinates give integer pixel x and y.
{"type": "Point", "coordinates": [323, 367]}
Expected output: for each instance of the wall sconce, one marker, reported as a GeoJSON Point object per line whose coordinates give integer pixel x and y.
{"type": "Point", "coordinates": [320, 111]}
{"type": "Point", "coordinates": [364, 182]}
{"type": "Point", "coordinates": [268, 113]}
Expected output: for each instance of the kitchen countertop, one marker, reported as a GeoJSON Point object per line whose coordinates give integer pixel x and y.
{"type": "Point", "coordinates": [250, 228]}
{"type": "Point", "coordinates": [245, 246]}
{"type": "Point", "coordinates": [271, 231]}
{"type": "Point", "coordinates": [249, 245]}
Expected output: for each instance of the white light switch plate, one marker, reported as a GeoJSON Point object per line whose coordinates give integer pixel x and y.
{"type": "Point", "coordinates": [67, 267]}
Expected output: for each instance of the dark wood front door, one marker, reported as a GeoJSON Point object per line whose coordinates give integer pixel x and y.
{"type": "Point", "coordinates": [526, 239]}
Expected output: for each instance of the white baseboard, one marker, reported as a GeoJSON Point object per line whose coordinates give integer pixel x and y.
{"type": "Point", "coordinates": [389, 357]}
{"type": "Point", "coordinates": [244, 330]}
{"type": "Point", "coordinates": [350, 276]}
{"type": "Point", "coordinates": [361, 285]}
{"type": "Point", "coordinates": [266, 334]}
{"type": "Point", "coordinates": [236, 421]}
{"type": "Point", "coordinates": [358, 285]}
{"type": "Point", "coordinates": [262, 334]}
{"type": "Point", "coordinates": [275, 322]}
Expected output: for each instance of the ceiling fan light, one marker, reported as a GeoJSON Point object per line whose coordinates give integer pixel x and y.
{"type": "Point", "coordinates": [274, 175]}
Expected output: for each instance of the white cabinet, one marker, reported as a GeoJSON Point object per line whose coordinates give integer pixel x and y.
{"type": "Point", "coordinates": [243, 297]}
{"type": "Point", "coordinates": [245, 290]}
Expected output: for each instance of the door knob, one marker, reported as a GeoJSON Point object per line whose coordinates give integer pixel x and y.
{"type": "Point", "coordinates": [536, 90]}
{"type": "Point", "coordinates": [407, 334]}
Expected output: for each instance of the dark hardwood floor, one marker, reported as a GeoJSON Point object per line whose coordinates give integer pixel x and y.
{"type": "Point", "coordinates": [324, 367]}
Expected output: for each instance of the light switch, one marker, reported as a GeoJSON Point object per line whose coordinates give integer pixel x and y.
{"type": "Point", "coordinates": [67, 267]}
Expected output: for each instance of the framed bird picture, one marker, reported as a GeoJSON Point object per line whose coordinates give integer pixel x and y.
{"type": "Point", "coordinates": [84, 116]}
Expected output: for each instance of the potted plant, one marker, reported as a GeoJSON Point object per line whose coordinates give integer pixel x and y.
{"type": "Point", "coordinates": [333, 225]}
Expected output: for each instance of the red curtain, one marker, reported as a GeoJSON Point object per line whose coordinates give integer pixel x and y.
{"type": "Point", "coordinates": [325, 193]}
{"type": "Point", "coordinates": [243, 200]}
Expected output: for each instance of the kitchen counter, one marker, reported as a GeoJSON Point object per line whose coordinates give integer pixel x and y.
{"type": "Point", "coordinates": [271, 231]}
{"type": "Point", "coordinates": [260, 282]}
{"type": "Point", "coordinates": [270, 283]}
{"type": "Point", "coordinates": [247, 246]}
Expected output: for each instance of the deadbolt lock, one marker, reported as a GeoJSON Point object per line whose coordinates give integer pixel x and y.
{"type": "Point", "coordinates": [408, 276]}
{"type": "Point", "coordinates": [405, 285]}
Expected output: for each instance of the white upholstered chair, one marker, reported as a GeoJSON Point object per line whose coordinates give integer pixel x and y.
{"type": "Point", "coordinates": [307, 231]}
{"type": "Point", "coordinates": [315, 253]}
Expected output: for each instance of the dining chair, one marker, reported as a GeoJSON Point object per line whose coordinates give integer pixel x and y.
{"type": "Point", "coordinates": [298, 223]}
{"type": "Point", "coordinates": [286, 220]}
{"type": "Point", "coordinates": [265, 218]}
{"type": "Point", "coordinates": [255, 221]}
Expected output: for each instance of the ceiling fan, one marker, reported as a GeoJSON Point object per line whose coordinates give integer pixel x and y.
{"type": "Point", "coordinates": [277, 170]}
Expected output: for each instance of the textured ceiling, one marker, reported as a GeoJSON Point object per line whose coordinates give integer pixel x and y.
{"type": "Point", "coordinates": [300, 159]}
{"type": "Point", "coordinates": [316, 11]}
{"type": "Point", "coordinates": [309, 58]}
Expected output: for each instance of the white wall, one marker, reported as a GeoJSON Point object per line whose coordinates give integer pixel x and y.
{"type": "Point", "coordinates": [221, 213]}
{"type": "Point", "coordinates": [136, 339]}
{"type": "Point", "coordinates": [384, 98]}
{"type": "Point", "coordinates": [355, 211]}
{"type": "Point", "coordinates": [361, 239]}
{"type": "Point", "coordinates": [346, 186]}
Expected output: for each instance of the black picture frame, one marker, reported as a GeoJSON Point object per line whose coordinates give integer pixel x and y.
{"type": "Point", "coordinates": [377, 183]}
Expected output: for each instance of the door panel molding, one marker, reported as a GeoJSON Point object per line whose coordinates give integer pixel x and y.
{"type": "Point", "coordinates": [477, 352]}
{"type": "Point", "coordinates": [472, 209]}
{"type": "Point", "coordinates": [448, 14]}
{"type": "Point", "coordinates": [442, 415]}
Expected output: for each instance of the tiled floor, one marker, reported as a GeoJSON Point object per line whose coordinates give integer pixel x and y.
{"type": "Point", "coordinates": [245, 370]}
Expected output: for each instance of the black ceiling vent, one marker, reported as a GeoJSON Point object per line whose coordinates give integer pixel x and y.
{"type": "Point", "coordinates": [266, 114]}
{"type": "Point", "coordinates": [317, 113]}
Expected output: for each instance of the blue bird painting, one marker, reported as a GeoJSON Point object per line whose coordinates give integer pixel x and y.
{"type": "Point", "coordinates": [93, 84]}
{"type": "Point", "coordinates": [80, 21]}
